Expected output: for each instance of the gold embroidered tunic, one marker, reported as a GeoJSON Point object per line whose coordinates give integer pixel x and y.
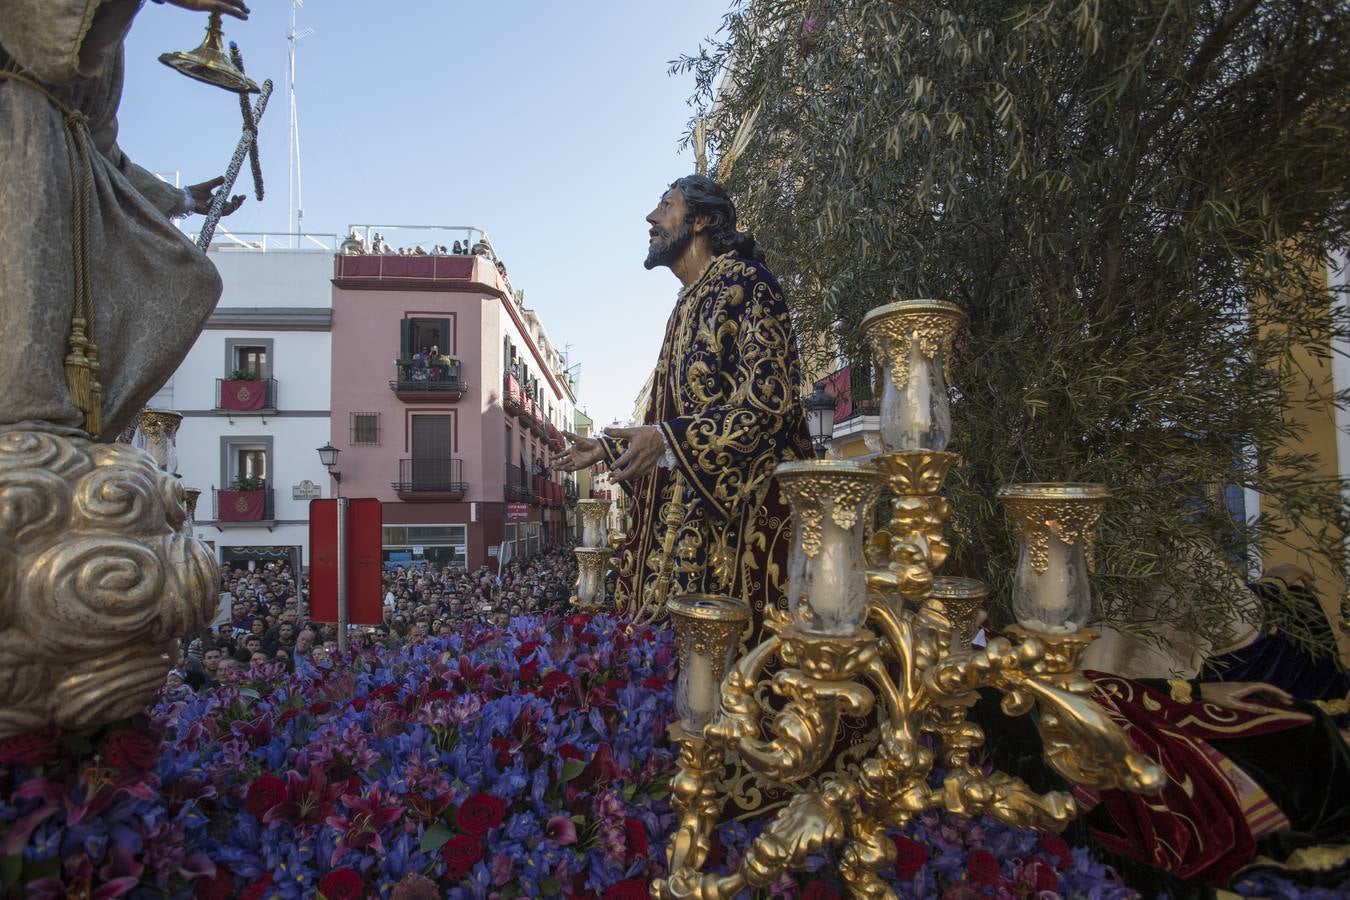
{"type": "Point", "coordinates": [724, 394]}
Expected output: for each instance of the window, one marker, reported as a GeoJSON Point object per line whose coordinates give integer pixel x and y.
{"type": "Point", "coordinates": [365, 428]}
{"type": "Point", "coordinates": [510, 444]}
{"type": "Point", "coordinates": [432, 437]}
{"type": "Point", "coordinates": [424, 335]}
{"type": "Point", "coordinates": [249, 357]}
{"type": "Point", "coordinates": [251, 464]}
{"type": "Point", "coordinates": [446, 545]}
{"type": "Point", "coordinates": [247, 459]}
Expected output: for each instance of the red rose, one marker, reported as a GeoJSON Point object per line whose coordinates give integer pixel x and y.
{"type": "Point", "coordinates": [819, 890]}
{"type": "Point", "coordinates": [570, 751]}
{"type": "Point", "coordinates": [556, 682]}
{"type": "Point", "coordinates": [629, 889]}
{"type": "Point", "coordinates": [635, 838]}
{"type": "Point", "coordinates": [982, 867]}
{"type": "Point", "coordinates": [460, 853]}
{"type": "Point", "coordinates": [480, 814]}
{"type": "Point", "coordinates": [526, 649]}
{"type": "Point", "coordinates": [257, 888]}
{"type": "Point", "coordinates": [1057, 847]}
{"type": "Point", "coordinates": [529, 672]}
{"type": "Point", "coordinates": [219, 887]}
{"type": "Point", "coordinates": [129, 751]}
{"type": "Point", "coordinates": [32, 748]}
{"type": "Point", "coordinates": [265, 792]}
{"type": "Point", "coordinates": [910, 856]}
{"type": "Point", "coordinates": [341, 884]}
{"type": "Point", "coordinates": [1042, 876]}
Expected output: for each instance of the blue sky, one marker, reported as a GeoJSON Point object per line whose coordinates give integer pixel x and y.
{"type": "Point", "coordinates": [553, 126]}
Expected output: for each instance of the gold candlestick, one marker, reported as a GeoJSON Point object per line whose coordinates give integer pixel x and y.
{"type": "Point", "coordinates": [908, 661]}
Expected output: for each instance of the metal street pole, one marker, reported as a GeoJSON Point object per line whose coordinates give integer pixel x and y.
{"type": "Point", "coordinates": [342, 573]}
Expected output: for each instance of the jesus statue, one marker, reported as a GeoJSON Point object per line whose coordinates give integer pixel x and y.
{"type": "Point", "coordinates": [723, 413]}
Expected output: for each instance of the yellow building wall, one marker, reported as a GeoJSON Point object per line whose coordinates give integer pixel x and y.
{"type": "Point", "coordinates": [1310, 380]}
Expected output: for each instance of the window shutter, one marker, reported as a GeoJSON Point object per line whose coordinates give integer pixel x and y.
{"type": "Point", "coordinates": [405, 337]}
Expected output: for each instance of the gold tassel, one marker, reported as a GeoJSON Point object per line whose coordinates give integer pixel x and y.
{"type": "Point", "coordinates": [82, 377]}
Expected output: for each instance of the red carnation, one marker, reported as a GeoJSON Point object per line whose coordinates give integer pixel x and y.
{"type": "Point", "coordinates": [1042, 876]}
{"type": "Point", "coordinates": [556, 682]}
{"type": "Point", "coordinates": [910, 856]}
{"type": "Point", "coordinates": [341, 884]}
{"type": "Point", "coordinates": [983, 868]}
{"type": "Point", "coordinates": [129, 751]}
{"type": "Point", "coordinates": [218, 887]}
{"type": "Point", "coordinates": [819, 890]}
{"type": "Point", "coordinates": [460, 853]}
{"type": "Point", "coordinates": [1057, 847]}
{"type": "Point", "coordinates": [635, 838]}
{"type": "Point", "coordinates": [629, 889]}
{"type": "Point", "coordinates": [32, 748]}
{"type": "Point", "coordinates": [257, 888]}
{"type": "Point", "coordinates": [265, 792]}
{"type": "Point", "coordinates": [480, 814]}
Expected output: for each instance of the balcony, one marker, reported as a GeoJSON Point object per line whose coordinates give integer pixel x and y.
{"type": "Point", "coordinates": [255, 507]}
{"type": "Point", "coordinates": [547, 491]}
{"type": "Point", "coordinates": [246, 396]}
{"type": "Point", "coordinates": [856, 406]}
{"type": "Point", "coordinates": [427, 382]}
{"type": "Point", "coordinates": [517, 486]}
{"type": "Point", "coordinates": [430, 480]}
{"type": "Point", "coordinates": [555, 439]}
{"type": "Point", "coordinates": [513, 398]}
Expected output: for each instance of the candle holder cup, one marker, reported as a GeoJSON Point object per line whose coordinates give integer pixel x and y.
{"type": "Point", "coordinates": [1055, 524]}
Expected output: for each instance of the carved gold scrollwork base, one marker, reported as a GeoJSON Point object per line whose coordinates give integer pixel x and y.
{"type": "Point", "coordinates": [97, 580]}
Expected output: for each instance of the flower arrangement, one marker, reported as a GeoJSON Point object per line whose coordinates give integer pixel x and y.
{"type": "Point", "coordinates": [529, 760]}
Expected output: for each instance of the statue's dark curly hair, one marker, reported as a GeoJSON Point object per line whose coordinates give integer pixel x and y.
{"type": "Point", "coordinates": [708, 198]}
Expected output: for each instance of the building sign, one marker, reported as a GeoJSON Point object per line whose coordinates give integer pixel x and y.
{"type": "Point", "coordinates": [517, 510]}
{"type": "Point", "coordinates": [306, 490]}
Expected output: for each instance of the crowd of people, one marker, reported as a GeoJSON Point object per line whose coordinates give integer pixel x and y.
{"type": "Point", "coordinates": [264, 614]}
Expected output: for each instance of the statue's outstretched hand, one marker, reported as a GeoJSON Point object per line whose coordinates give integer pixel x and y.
{"type": "Point", "coordinates": [646, 446]}
{"type": "Point", "coordinates": [1247, 696]}
{"type": "Point", "coordinates": [583, 453]}
{"type": "Point", "coordinates": [234, 8]}
{"type": "Point", "coordinates": [202, 194]}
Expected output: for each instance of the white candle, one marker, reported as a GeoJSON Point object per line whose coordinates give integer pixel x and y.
{"type": "Point", "coordinates": [918, 399]}
{"type": "Point", "coordinates": [700, 692]}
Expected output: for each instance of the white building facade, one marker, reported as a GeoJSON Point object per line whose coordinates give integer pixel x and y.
{"type": "Point", "coordinates": [254, 393]}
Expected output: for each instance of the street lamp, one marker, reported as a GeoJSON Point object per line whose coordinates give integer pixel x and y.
{"type": "Point", "coordinates": [328, 455]}
{"type": "Point", "coordinates": [820, 408]}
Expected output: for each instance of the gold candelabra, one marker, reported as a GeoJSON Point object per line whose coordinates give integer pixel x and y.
{"type": "Point", "coordinates": [869, 630]}
{"type": "Point", "coordinates": [593, 556]}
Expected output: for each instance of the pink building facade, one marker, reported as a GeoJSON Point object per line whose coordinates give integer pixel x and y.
{"type": "Point", "coordinates": [448, 399]}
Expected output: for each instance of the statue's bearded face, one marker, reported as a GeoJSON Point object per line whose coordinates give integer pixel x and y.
{"type": "Point", "coordinates": [670, 230]}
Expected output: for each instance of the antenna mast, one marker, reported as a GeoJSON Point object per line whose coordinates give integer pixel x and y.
{"type": "Point", "coordinates": [295, 199]}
